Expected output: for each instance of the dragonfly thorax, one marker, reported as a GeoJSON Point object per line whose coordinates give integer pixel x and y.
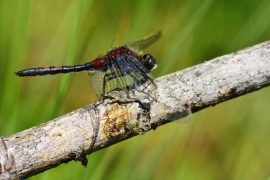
{"type": "Point", "coordinates": [111, 55]}
{"type": "Point", "coordinates": [98, 63]}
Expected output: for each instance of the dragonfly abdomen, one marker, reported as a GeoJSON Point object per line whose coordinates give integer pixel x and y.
{"type": "Point", "coordinates": [41, 71]}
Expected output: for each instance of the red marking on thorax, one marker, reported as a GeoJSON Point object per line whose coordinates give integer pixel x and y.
{"type": "Point", "coordinates": [112, 54]}
{"type": "Point", "coordinates": [98, 63]}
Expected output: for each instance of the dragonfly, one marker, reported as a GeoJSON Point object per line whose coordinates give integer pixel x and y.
{"type": "Point", "coordinates": [122, 68]}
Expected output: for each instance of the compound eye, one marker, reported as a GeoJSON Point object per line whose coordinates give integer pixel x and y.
{"type": "Point", "coordinates": [149, 62]}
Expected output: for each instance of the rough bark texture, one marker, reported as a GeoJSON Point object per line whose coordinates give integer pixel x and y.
{"type": "Point", "coordinates": [97, 126]}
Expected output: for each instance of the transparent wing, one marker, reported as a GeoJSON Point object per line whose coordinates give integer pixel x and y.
{"type": "Point", "coordinates": [144, 81]}
{"type": "Point", "coordinates": [128, 74]}
{"type": "Point", "coordinates": [117, 75]}
{"type": "Point", "coordinates": [145, 42]}
{"type": "Point", "coordinates": [96, 80]}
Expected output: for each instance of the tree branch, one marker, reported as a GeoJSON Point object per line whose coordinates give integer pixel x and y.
{"type": "Point", "coordinates": [97, 126]}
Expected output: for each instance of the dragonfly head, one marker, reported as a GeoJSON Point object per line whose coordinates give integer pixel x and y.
{"type": "Point", "coordinates": [149, 62]}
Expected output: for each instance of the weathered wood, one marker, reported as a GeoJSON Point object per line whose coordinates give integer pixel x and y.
{"type": "Point", "coordinates": [73, 135]}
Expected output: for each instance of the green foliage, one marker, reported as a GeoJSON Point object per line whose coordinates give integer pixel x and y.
{"type": "Point", "coordinates": [229, 141]}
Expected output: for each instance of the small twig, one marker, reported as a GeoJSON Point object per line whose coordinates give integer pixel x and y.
{"type": "Point", "coordinates": [72, 136]}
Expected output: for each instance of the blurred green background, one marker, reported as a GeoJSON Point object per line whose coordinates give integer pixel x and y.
{"type": "Point", "coordinates": [228, 141]}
